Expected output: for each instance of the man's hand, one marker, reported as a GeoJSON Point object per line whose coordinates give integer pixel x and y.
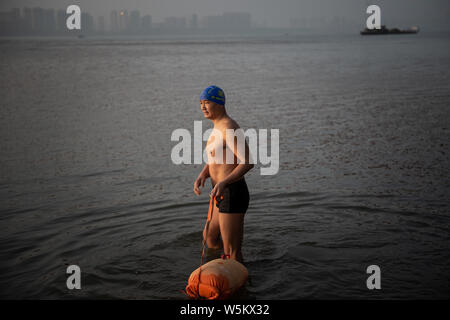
{"type": "Point", "coordinates": [199, 182]}
{"type": "Point", "coordinates": [218, 189]}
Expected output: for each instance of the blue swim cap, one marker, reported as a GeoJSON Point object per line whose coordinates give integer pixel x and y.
{"type": "Point", "coordinates": [214, 94]}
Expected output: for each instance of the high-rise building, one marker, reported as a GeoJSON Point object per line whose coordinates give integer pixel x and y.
{"type": "Point", "coordinates": [114, 22]}
{"type": "Point", "coordinates": [123, 20]}
{"type": "Point", "coordinates": [61, 20]}
{"type": "Point", "coordinates": [101, 24]}
{"type": "Point", "coordinates": [134, 23]}
{"type": "Point", "coordinates": [38, 20]}
{"type": "Point", "coordinates": [87, 22]}
{"type": "Point", "coordinates": [14, 21]}
{"type": "Point", "coordinates": [146, 23]}
{"type": "Point", "coordinates": [194, 22]}
{"type": "Point", "coordinates": [49, 21]}
{"type": "Point", "coordinates": [6, 23]}
{"type": "Point", "coordinates": [27, 19]}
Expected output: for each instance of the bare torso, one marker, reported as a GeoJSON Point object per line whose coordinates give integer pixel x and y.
{"type": "Point", "coordinates": [219, 171]}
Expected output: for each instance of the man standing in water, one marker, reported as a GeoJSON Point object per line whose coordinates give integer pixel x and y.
{"type": "Point", "coordinates": [227, 177]}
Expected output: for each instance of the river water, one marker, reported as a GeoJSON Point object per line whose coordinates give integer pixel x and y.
{"type": "Point", "coordinates": [86, 176]}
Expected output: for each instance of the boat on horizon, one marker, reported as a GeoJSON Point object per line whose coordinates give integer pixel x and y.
{"type": "Point", "coordinates": [385, 30]}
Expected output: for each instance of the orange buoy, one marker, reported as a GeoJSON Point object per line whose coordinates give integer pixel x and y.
{"type": "Point", "coordinates": [217, 279]}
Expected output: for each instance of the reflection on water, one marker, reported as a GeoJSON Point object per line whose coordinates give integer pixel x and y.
{"type": "Point", "coordinates": [86, 176]}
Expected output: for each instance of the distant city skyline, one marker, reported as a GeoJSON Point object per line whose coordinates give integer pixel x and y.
{"type": "Point", "coordinates": [37, 20]}
{"type": "Point", "coordinates": [428, 14]}
{"type": "Point", "coordinates": [50, 21]}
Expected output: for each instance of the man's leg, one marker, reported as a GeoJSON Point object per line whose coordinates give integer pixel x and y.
{"type": "Point", "coordinates": [213, 240]}
{"type": "Point", "coordinates": [232, 231]}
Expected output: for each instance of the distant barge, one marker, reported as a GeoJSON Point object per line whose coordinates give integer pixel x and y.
{"type": "Point", "coordinates": [385, 30]}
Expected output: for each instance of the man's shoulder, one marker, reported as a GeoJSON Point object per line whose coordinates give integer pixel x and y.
{"type": "Point", "coordinates": [229, 123]}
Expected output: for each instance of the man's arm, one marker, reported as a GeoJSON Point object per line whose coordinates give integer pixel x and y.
{"type": "Point", "coordinates": [244, 162]}
{"type": "Point", "coordinates": [200, 181]}
{"type": "Point", "coordinates": [205, 171]}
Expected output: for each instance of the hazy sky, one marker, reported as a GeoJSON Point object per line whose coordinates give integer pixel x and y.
{"type": "Point", "coordinates": [428, 14]}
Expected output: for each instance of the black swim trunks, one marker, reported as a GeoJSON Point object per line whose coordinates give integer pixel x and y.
{"type": "Point", "coordinates": [235, 198]}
